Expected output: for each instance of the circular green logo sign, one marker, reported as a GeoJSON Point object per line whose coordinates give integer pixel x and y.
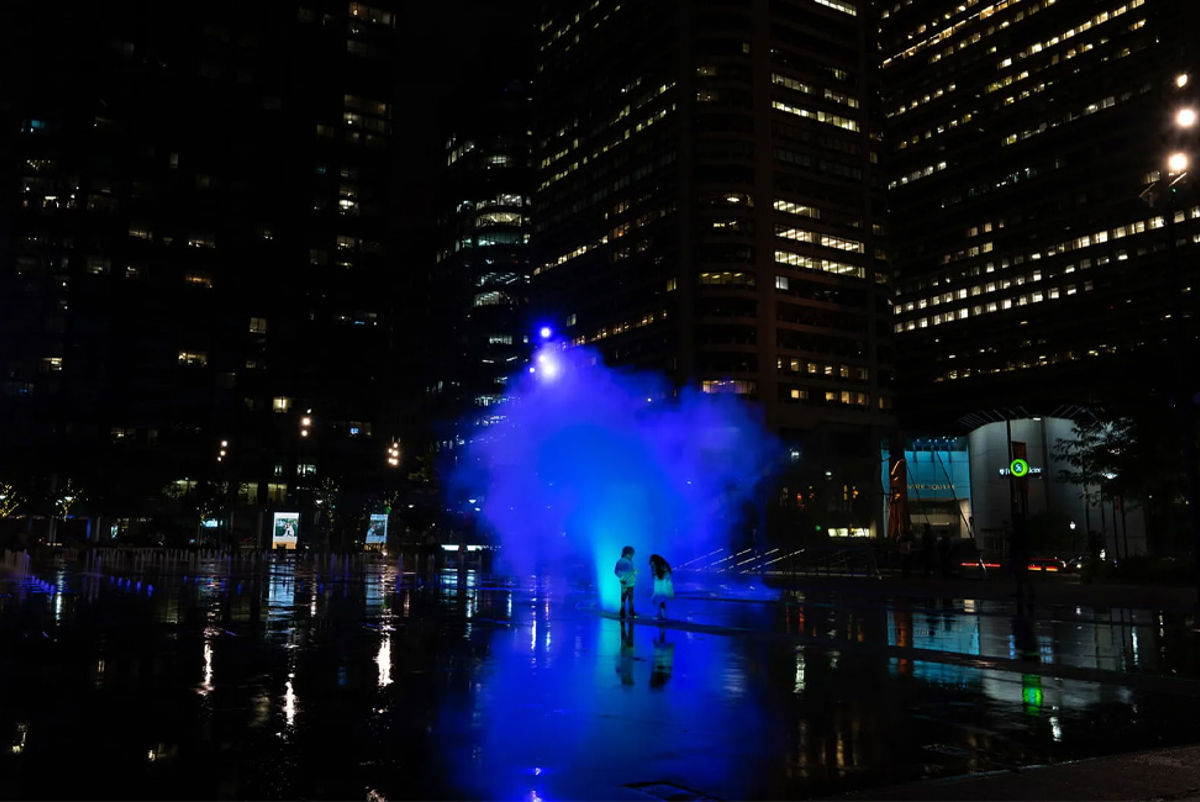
{"type": "Point", "coordinates": [1019, 468]}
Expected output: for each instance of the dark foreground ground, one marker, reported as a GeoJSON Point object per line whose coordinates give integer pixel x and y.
{"type": "Point", "coordinates": [299, 681]}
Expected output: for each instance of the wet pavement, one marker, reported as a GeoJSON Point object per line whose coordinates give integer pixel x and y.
{"type": "Point", "coordinates": [330, 681]}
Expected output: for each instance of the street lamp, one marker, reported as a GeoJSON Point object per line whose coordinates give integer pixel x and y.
{"type": "Point", "coordinates": [1164, 197]}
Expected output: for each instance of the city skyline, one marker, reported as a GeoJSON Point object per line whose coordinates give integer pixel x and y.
{"type": "Point", "coordinates": [749, 199]}
{"type": "Point", "coordinates": [599, 399]}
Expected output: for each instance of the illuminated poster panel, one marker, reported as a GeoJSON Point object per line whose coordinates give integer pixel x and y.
{"type": "Point", "coordinates": [377, 530]}
{"type": "Point", "coordinates": [285, 530]}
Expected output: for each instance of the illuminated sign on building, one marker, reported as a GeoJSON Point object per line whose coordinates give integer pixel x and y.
{"type": "Point", "coordinates": [1027, 470]}
{"type": "Point", "coordinates": [285, 530]}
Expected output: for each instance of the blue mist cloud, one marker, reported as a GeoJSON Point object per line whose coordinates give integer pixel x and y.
{"type": "Point", "coordinates": [589, 459]}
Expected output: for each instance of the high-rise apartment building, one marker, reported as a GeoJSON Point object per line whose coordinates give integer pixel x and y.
{"type": "Point", "coordinates": [1044, 249]}
{"type": "Point", "coordinates": [707, 206]}
{"type": "Point", "coordinates": [197, 248]}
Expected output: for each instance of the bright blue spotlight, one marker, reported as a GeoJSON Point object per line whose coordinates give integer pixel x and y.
{"type": "Point", "coordinates": [546, 332]}
{"type": "Point", "coordinates": [549, 365]}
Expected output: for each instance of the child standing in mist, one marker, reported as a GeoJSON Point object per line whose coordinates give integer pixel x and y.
{"type": "Point", "coordinates": [664, 588]}
{"type": "Point", "coordinates": [628, 576]}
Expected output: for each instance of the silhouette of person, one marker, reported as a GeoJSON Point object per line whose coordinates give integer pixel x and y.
{"type": "Point", "coordinates": [943, 553]}
{"type": "Point", "coordinates": [906, 551]}
{"type": "Point", "coordinates": [928, 549]}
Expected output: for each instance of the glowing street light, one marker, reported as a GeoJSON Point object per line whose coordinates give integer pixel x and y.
{"type": "Point", "coordinates": [545, 332]}
{"type": "Point", "coordinates": [393, 454]}
{"type": "Point", "coordinates": [1177, 164]}
{"type": "Point", "coordinates": [1181, 80]}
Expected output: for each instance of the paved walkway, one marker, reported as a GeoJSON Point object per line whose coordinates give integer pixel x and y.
{"type": "Point", "coordinates": [1164, 774]}
{"type": "Point", "coordinates": [1046, 590]}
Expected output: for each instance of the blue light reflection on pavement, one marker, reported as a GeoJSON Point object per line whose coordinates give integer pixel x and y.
{"type": "Point", "coordinates": [601, 704]}
{"type": "Point", "coordinates": [302, 681]}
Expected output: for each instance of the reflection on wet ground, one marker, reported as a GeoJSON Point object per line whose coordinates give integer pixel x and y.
{"type": "Point", "coordinates": [337, 681]}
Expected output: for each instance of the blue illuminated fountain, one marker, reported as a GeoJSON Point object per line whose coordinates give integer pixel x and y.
{"type": "Point", "coordinates": [588, 459]}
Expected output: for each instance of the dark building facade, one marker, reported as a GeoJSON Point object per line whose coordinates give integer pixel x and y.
{"type": "Point", "coordinates": [481, 277]}
{"type": "Point", "coordinates": [197, 254]}
{"type": "Point", "coordinates": [707, 206]}
{"type": "Point", "coordinates": [1044, 250]}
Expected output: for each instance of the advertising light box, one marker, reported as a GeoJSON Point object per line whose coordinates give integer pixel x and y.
{"type": "Point", "coordinates": [285, 530]}
{"type": "Point", "coordinates": [377, 530]}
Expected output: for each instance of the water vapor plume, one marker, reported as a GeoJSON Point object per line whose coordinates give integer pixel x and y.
{"type": "Point", "coordinates": [588, 459]}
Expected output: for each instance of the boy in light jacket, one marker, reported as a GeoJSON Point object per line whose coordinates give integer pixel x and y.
{"type": "Point", "coordinates": [627, 573]}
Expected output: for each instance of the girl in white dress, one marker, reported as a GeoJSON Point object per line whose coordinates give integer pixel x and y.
{"type": "Point", "coordinates": [664, 588]}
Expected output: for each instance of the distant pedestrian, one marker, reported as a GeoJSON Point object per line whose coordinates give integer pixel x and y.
{"type": "Point", "coordinates": [664, 587]}
{"type": "Point", "coordinates": [928, 549]}
{"type": "Point", "coordinates": [429, 553]}
{"type": "Point", "coordinates": [627, 573]}
{"type": "Point", "coordinates": [906, 553]}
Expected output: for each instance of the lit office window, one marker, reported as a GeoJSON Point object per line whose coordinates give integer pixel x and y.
{"type": "Point", "coordinates": [195, 358]}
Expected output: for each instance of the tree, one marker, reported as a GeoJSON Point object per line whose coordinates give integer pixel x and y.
{"type": "Point", "coordinates": [326, 497]}
{"type": "Point", "coordinates": [1105, 462]}
{"type": "Point", "coordinates": [197, 501]}
{"type": "Point", "coordinates": [10, 499]}
{"type": "Point", "coordinates": [67, 497]}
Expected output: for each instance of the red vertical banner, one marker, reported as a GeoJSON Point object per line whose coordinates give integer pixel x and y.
{"type": "Point", "coordinates": [897, 495]}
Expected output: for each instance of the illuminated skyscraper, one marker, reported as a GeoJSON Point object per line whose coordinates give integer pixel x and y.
{"type": "Point", "coordinates": [196, 244]}
{"type": "Point", "coordinates": [707, 206]}
{"type": "Point", "coordinates": [482, 271]}
{"type": "Point", "coordinates": [1036, 259]}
